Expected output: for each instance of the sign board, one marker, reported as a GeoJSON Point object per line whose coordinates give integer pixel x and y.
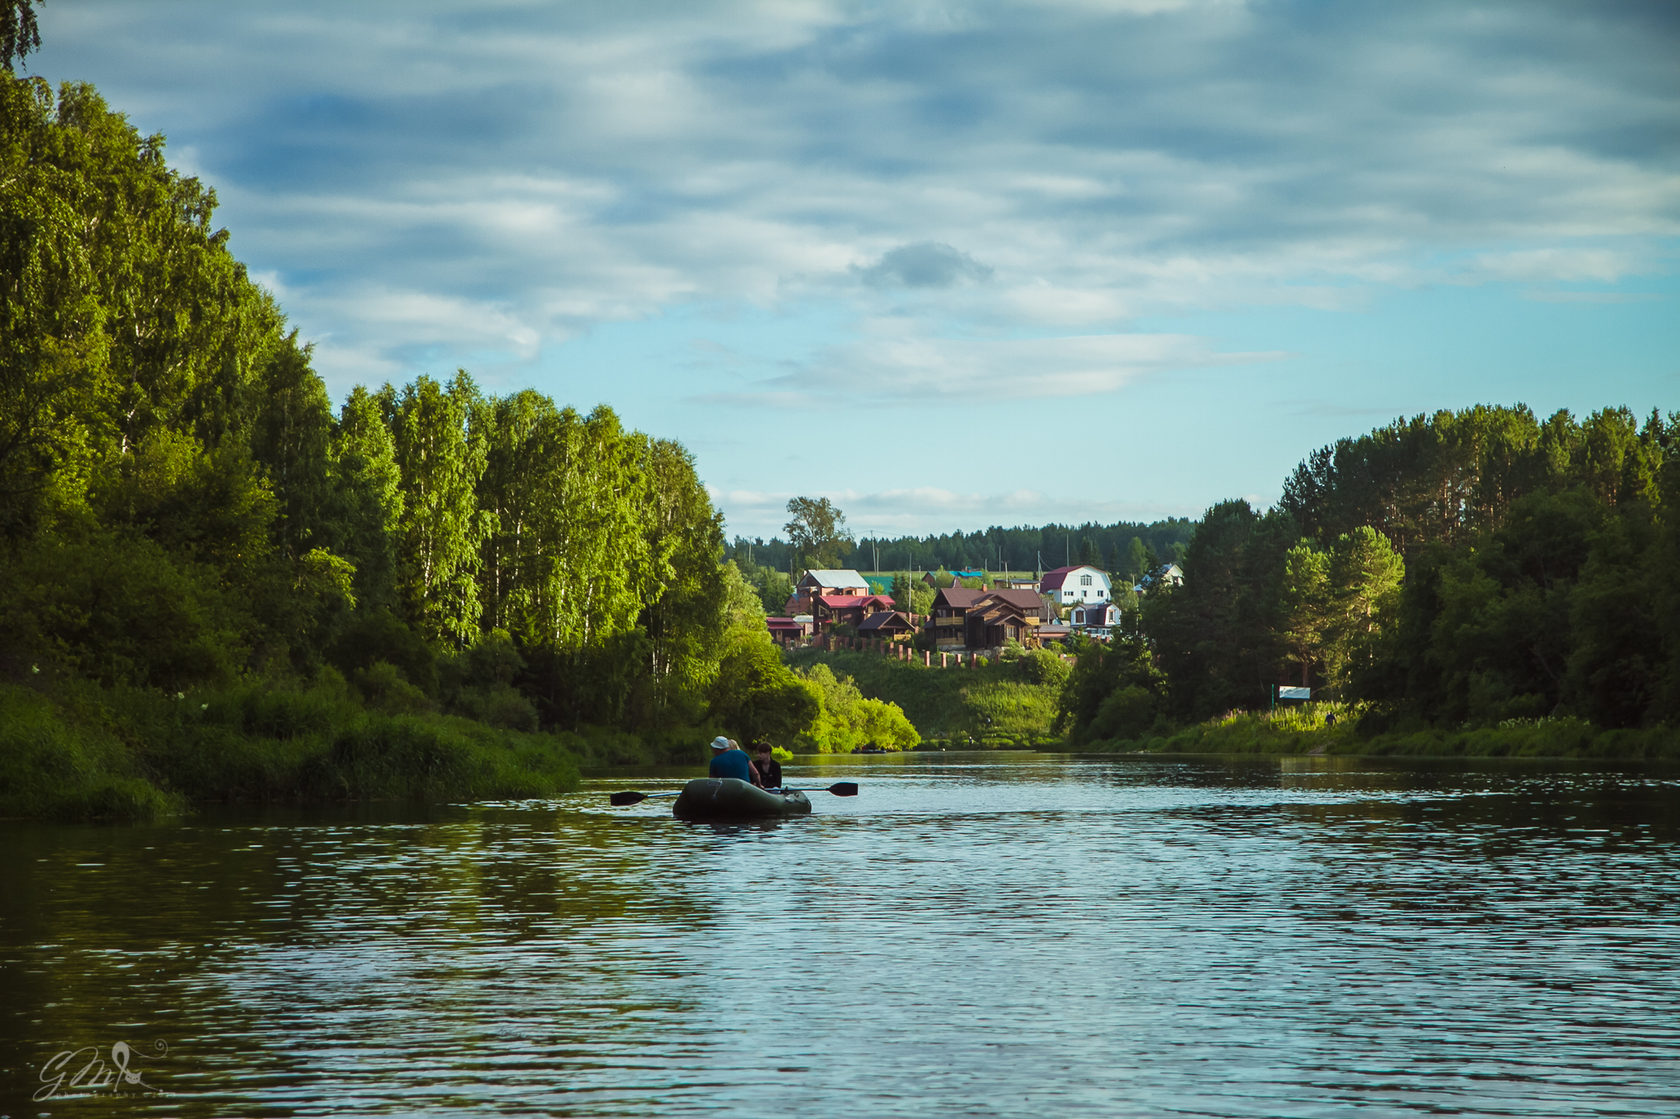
{"type": "Point", "coordinates": [1294, 693]}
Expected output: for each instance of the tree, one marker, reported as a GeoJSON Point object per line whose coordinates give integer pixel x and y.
{"type": "Point", "coordinates": [18, 32]}
{"type": "Point", "coordinates": [912, 595]}
{"type": "Point", "coordinates": [817, 531]}
{"type": "Point", "coordinates": [1365, 578]}
{"type": "Point", "coordinates": [1303, 622]}
{"type": "Point", "coordinates": [440, 455]}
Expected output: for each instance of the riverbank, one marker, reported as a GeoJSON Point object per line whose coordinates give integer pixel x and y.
{"type": "Point", "coordinates": [94, 753]}
{"type": "Point", "coordinates": [1338, 729]}
{"type": "Point", "coordinates": [1005, 704]}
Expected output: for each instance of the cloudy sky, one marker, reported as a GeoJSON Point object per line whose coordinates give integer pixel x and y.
{"type": "Point", "coordinates": [948, 264]}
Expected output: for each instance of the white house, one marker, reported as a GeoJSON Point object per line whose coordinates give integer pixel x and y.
{"type": "Point", "coordinates": [1080, 583]}
{"type": "Point", "coordinates": [1094, 619]}
{"type": "Point", "coordinates": [1171, 575]}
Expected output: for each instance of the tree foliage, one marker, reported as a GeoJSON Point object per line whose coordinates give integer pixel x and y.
{"type": "Point", "coordinates": [1469, 567]}
{"type": "Point", "coordinates": [816, 532]}
{"type": "Point", "coordinates": [180, 507]}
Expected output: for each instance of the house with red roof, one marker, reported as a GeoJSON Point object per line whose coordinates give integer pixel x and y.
{"type": "Point", "coordinates": [847, 609]}
{"type": "Point", "coordinates": [789, 631]}
{"type": "Point", "coordinates": [1080, 583]}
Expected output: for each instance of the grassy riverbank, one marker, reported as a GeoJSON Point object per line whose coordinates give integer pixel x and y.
{"type": "Point", "coordinates": [1005, 704]}
{"type": "Point", "coordinates": [97, 753]}
{"type": "Point", "coordinates": [1333, 728]}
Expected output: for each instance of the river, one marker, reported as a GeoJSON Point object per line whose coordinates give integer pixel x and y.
{"type": "Point", "coordinates": [973, 934]}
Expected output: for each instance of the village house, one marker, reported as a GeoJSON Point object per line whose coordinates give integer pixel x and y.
{"type": "Point", "coordinates": [789, 631]}
{"type": "Point", "coordinates": [1079, 583]}
{"type": "Point", "coordinates": [848, 609]}
{"type": "Point", "coordinates": [1094, 619]}
{"type": "Point", "coordinates": [1170, 575]}
{"type": "Point", "coordinates": [950, 609]}
{"type": "Point", "coordinates": [889, 624]}
{"type": "Point", "coordinates": [821, 581]}
{"type": "Point", "coordinates": [999, 617]}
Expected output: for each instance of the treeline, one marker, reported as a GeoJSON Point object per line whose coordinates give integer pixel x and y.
{"type": "Point", "coordinates": [1465, 568]}
{"type": "Point", "coordinates": [183, 514]}
{"type": "Point", "coordinates": [1125, 548]}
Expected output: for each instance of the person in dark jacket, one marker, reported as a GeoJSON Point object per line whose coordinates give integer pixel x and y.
{"type": "Point", "coordinates": [769, 769]}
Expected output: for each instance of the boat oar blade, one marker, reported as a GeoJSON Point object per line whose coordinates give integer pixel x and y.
{"type": "Point", "coordinates": [844, 788]}
{"type": "Point", "coordinates": [619, 800]}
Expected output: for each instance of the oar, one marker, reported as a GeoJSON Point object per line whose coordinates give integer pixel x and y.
{"type": "Point", "coordinates": [839, 789]}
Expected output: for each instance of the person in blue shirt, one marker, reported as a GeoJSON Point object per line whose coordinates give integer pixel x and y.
{"type": "Point", "coordinates": [729, 760]}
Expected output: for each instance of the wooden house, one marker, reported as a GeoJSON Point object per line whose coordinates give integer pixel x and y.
{"type": "Point", "coordinates": [848, 609]}
{"type": "Point", "coordinates": [999, 617]}
{"type": "Point", "coordinates": [825, 581]}
{"type": "Point", "coordinates": [950, 609]}
{"type": "Point", "coordinates": [890, 624]}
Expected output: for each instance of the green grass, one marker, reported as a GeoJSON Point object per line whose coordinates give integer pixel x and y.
{"type": "Point", "coordinates": [994, 704]}
{"type": "Point", "coordinates": [1333, 728]}
{"type": "Point", "coordinates": [134, 754]}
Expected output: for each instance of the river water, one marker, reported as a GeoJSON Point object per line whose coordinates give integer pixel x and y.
{"type": "Point", "coordinates": [974, 934]}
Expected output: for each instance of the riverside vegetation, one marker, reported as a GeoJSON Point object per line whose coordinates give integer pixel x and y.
{"type": "Point", "coordinates": [1476, 582]}
{"type": "Point", "coordinates": [214, 586]}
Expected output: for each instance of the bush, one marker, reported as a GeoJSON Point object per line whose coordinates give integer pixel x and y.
{"type": "Point", "coordinates": [52, 768]}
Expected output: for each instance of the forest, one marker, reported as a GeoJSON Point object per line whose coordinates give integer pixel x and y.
{"type": "Point", "coordinates": [1125, 548]}
{"type": "Point", "coordinates": [213, 584]}
{"type": "Point", "coordinates": [1478, 569]}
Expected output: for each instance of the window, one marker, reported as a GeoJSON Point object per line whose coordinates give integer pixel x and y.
{"type": "Point", "coordinates": [1084, 580]}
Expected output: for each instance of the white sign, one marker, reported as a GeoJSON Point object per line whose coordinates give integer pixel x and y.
{"type": "Point", "coordinates": [1294, 693]}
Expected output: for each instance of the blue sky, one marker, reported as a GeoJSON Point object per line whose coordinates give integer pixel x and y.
{"type": "Point", "coordinates": [950, 265]}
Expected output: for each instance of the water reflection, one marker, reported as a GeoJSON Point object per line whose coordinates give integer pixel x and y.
{"type": "Point", "coordinates": [981, 934]}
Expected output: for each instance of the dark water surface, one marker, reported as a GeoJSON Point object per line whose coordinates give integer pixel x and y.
{"type": "Point", "coordinates": [975, 934]}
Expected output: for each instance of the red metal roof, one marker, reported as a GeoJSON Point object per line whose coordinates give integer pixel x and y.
{"type": "Point", "coordinates": [1054, 579]}
{"type": "Point", "coordinates": [848, 601]}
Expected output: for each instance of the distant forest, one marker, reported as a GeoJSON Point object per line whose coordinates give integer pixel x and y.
{"type": "Point", "coordinates": [1123, 548]}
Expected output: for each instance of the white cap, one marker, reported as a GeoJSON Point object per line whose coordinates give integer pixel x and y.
{"type": "Point", "coordinates": [720, 743]}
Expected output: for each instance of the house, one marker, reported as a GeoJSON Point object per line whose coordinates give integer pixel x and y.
{"type": "Point", "coordinates": [1079, 583]}
{"type": "Point", "coordinates": [1017, 583]}
{"type": "Point", "coordinates": [848, 609]}
{"type": "Point", "coordinates": [820, 581]}
{"type": "Point", "coordinates": [999, 617]}
{"type": "Point", "coordinates": [1052, 632]}
{"type": "Point", "coordinates": [950, 608]}
{"type": "Point", "coordinates": [1171, 575]}
{"type": "Point", "coordinates": [888, 624]}
{"type": "Point", "coordinates": [1094, 619]}
{"type": "Point", "coordinates": [789, 631]}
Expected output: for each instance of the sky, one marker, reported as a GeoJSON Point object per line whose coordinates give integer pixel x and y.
{"type": "Point", "coordinates": [949, 265]}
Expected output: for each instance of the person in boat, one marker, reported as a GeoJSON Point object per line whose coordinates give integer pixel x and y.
{"type": "Point", "coordinates": [769, 769]}
{"type": "Point", "coordinates": [729, 760]}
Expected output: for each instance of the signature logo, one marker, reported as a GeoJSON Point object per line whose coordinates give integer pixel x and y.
{"type": "Point", "coordinates": [86, 1070]}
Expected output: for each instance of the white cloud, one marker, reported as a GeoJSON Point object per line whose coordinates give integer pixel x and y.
{"type": "Point", "coordinates": [919, 367]}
